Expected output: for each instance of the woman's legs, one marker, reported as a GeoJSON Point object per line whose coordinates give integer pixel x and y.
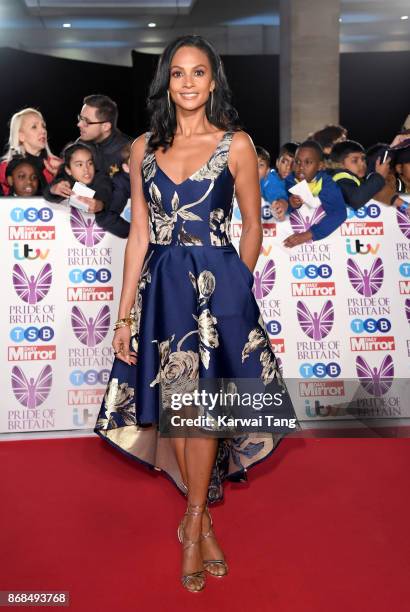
{"type": "Point", "coordinates": [179, 448]}
{"type": "Point", "coordinates": [196, 457]}
{"type": "Point", "coordinates": [199, 457]}
{"type": "Point", "coordinates": [200, 454]}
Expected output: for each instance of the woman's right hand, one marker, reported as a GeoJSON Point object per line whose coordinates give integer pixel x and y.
{"type": "Point", "coordinates": [121, 344]}
{"type": "Point", "coordinates": [62, 189]}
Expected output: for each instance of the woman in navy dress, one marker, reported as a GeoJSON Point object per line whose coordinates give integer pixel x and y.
{"type": "Point", "coordinates": [187, 311]}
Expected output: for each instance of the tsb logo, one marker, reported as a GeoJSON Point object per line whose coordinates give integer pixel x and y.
{"type": "Point", "coordinates": [266, 211]}
{"type": "Point", "coordinates": [90, 377]}
{"type": "Point", "coordinates": [19, 215]}
{"type": "Point", "coordinates": [320, 370]}
{"type": "Point", "coordinates": [312, 271]}
{"type": "Point", "coordinates": [103, 275]}
{"type": "Point", "coordinates": [405, 269]}
{"type": "Point", "coordinates": [371, 326]}
{"type": "Point", "coordinates": [31, 334]}
{"type": "Point", "coordinates": [274, 328]}
{"type": "Point", "coordinates": [371, 210]}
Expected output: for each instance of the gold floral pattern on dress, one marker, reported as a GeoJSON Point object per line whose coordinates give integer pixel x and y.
{"type": "Point", "coordinates": [205, 356]}
{"type": "Point", "coordinates": [178, 372]}
{"type": "Point", "coordinates": [212, 169]}
{"type": "Point", "coordinates": [175, 367]}
{"type": "Point", "coordinates": [206, 328]}
{"type": "Point", "coordinates": [119, 406]}
{"type": "Point", "coordinates": [204, 286]}
{"type": "Point", "coordinates": [161, 225]}
{"type": "Point", "coordinates": [188, 239]}
{"type": "Point", "coordinates": [179, 369]}
{"type": "Point", "coordinates": [148, 166]}
{"type": "Point", "coordinates": [135, 325]}
{"type": "Point", "coordinates": [145, 278]}
{"type": "Point", "coordinates": [220, 227]}
{"type": "Point", "coordinates": [269, 366]}
{"type": "Point", "coordinates": [258, 339]}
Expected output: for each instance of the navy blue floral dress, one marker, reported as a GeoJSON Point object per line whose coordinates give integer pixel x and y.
{"type": "Point", "coordinates": [196, 318]}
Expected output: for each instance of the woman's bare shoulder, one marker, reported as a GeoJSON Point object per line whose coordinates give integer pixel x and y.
{"type": "Point", "coordinates": [138, 147]}
{"type": "Point", "coordinates": [242, 142]}
{"type": "Point", "coordinates": [140, 141]}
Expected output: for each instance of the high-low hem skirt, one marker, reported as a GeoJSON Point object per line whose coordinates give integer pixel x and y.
{"type": "Point", "coordinates": [196, 317]}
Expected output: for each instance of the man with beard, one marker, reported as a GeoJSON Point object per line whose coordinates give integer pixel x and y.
{"type": "Point", "coordinates": [97, 123]}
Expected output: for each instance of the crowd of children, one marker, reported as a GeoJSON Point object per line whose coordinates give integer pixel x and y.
{"type": "Point", "coordinates": [337, 172]}
{"type": "Point", "coordinates": [30, 169]}
{"type": "Point", "coordinates": [337, 176]}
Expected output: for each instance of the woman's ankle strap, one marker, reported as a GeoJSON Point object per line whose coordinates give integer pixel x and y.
{"type": "Point", "coordinates": [196, 509]}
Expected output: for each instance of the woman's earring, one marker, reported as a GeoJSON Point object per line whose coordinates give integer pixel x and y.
{"type": "Point", "coordinates": [212, 102]}
{"type": "Point", "coordinates": [169, 102]}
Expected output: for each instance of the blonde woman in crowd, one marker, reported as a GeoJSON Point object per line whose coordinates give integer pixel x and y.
{"type": "Point", "coordinates": [28, 137]}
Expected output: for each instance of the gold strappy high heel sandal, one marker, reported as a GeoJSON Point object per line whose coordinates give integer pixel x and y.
{"type": "Point", "coordinates": [186, 580]}
{"type": "Point", "coordinates": [220, 563]}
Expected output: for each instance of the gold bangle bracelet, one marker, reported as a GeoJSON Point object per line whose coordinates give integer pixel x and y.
{"type": "Point", "coordinates": [119, 325]}
{"type": "Point", "coordinates": [131, 317]}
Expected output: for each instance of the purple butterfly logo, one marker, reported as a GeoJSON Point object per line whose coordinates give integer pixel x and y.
{"type": "Point", "coordinates": [404, 223]}
{"type": "Point", "coordinates": [29, 392]}
{"type": "Point", "coordinates": [366, 282]}
{"type": "Point", "coordinates": [90, 331]}
{"type": "Point", "coordinates": [316, 326]}
{"type": "Point", "coordinates": [407, 308]}
{"type": "Point", "coordinates": [375, 381]}
{"type": "Point", "coordinates": [85, 229]}
{"type": "Point", "coordinates": [264, 280]}
{"type": "Point", "coordinates": [32, 289]}
{"type": "Point", "coordinates": [300, 223]}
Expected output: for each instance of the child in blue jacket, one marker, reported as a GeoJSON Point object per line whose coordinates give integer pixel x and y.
{"type": "Point", "coordinates": [272, 182]}
{"type": "Point", "coordinates": [309, 166]}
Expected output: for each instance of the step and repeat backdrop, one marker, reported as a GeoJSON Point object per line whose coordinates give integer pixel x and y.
{"type": "Point", "coordinates": [60, 284]}
{"type": "Point", "coordinates": [337, 313]}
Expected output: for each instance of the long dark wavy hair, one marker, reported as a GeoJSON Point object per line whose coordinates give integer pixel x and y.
{"type": "Point", "coordinates": [163, 119]}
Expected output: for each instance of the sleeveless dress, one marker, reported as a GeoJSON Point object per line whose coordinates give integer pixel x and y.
{"type": "Point", "coordinates": [196, 317]}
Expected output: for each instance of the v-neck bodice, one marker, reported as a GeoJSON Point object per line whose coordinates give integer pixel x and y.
{"type": "Point", "coordinates": [195, 212]}
{"type": "Point", "coordinates": [219, 146]}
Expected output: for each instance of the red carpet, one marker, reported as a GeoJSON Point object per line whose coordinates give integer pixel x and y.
{"type": "Point", "coordinates": [322, 526]}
